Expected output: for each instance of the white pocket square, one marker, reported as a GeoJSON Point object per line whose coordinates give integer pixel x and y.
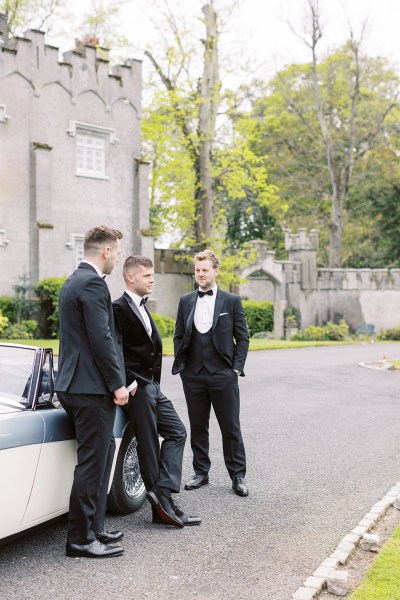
{"type": "Point", "coordinates": [222, 314]}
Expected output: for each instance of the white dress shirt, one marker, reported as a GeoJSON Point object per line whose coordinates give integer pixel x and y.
{"type": "Point", "coordinates": [143, 313]}
{"type": "Point", "coordinates": [204, 311]}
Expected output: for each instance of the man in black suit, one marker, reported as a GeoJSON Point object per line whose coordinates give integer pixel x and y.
{"type": "Point", "coordinates": [90, 382]}
{"type": "Point", "coordinates": [211, 342]}
{"type": "Point", "coordinates": [150, 411]}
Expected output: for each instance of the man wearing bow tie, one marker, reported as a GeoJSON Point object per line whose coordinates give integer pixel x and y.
{"type": "Point", "coordinates": [211, 342]}
{"type": "Point", "coordinates": [150, 411]}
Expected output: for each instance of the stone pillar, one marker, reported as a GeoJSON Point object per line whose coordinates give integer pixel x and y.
{"type": "Point", "coordinates": [279, 325]}
{"type": "Point", "coordinates": [303, 247]}
{"type": "Point", "coordinates": [143, 239]}
{"type": "Point", "coordinates": [41, 225]}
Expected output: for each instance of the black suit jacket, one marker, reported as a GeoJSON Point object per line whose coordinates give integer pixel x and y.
{"type": "Point", "coordinates": [229, 330]}
{"type": "Point", "coordinates": [90, 360]}
{"type": "Point", "coordinates": [142, 353]}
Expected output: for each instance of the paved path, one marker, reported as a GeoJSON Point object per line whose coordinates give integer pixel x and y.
{"type": "Point", "coordinates": [322, 438]}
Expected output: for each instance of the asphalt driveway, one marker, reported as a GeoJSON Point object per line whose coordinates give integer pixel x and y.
{"type": "Point", "coordinates": [322, 441]}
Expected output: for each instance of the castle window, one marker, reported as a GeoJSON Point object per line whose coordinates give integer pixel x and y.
{"type": "Point", "coordinates": [92, 148]}
{"type": "Point", "coordinates": [75, 243]}
{"type": "Point", "coordinates": [90, 155]}
{"type": "Point", "coordinates": [3, 113]}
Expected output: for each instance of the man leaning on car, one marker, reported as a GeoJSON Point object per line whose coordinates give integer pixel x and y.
{"type": "Point", "coordinates": [90, 382]}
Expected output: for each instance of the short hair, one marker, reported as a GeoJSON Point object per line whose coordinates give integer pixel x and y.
{"type": "Point", "coordinates": [207, 255]}
{"type": "Point", "coordinates": [132, 263]}
{"type": "Point", "coordinates": [98, 237]}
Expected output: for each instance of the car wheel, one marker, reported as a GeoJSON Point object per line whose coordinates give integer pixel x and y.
{"type": "Point", "coordinates": [127, 493]}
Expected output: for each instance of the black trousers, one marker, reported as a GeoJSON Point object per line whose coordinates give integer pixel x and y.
{"type": "Point", "coordinates": [93, 417]}
{"type": "Point", "coordinates": [221, 391]}
{"type": "Point", "coordinates": [153, 415]}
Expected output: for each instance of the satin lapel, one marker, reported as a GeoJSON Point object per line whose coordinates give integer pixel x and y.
{"type": "Point", "coordinates": [190, 319]}
{"type": "Point", "coordinates": [155, 332]}
{"type": "Point", "coordinates": [219, 302]}
{"type": "Point", "coordinates": [136, 311]}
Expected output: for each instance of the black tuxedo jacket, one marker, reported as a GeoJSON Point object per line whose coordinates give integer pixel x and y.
{"type": "Point", "coordinates": [229, 330]}
{"type": "Point", "coordinates": [91, 360]}
{"type": "Point", "coordinates": [142, 352]}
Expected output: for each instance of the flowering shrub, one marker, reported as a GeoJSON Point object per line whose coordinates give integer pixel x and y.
{"type": "Point", "coordinates": [390, 334]}
{"type": "Point", "coordinates": [20, 331]}
{"type": "Point", "coordinates": [3, 323]}
{"type": "Point", "coordinates": [329, 332]}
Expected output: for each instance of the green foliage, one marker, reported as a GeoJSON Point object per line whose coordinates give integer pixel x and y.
{"type": "Point", "coordinates": [166, 325]}
{"type": "Point", "coordinates": [35, 14]}
{"type": "Point", "coordinates": [8, 308]}
{"type": "Point", "coordinates": [292, 314]}
{"type": "Point", "coordinates": [3, 323]}
{"type": "Point", "coordinates": [329, 332]}
{"type": "Point", "coordinates": [24, 330]}
{"type": "Point", "coordinates": [382, 579]}
{"type": "Point", "coordinates": [259, 315]}
{"type": "Point", "coordinates": [172, 178]}
{"type": "Point", "coordinates": [25, 306]}
{"type": "Point", "coordinates": [390, 334]}
{"type": "Point", "coordinates": [287, 133]}
{"type": "Point", "coordinates": [48, 291]}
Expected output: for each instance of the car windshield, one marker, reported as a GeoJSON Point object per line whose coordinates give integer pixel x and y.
{"type": "Point", "coordinates": [16, 366]}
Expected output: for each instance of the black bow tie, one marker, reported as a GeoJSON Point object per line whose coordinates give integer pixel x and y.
{"type": "Point", "coordinates": [209, 293]}
{"type": "Point", "coordinates": [143, 301]}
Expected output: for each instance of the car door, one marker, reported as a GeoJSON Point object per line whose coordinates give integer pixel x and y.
{"type": "Point", "coordinates": [21, 434]}
{"type": "Point", "coordinates": [54, 474]}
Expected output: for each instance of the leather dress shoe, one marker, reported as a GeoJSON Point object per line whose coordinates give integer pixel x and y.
{"type": "Point", "coordinates": [165, 508]}
{"type": "Point", "coordinates": [239, 486]}
{"type": "Point", "coordinates": [196, 482]}
{"type": "Point", "coordinates": [186, 519]}
{"type": "Point", "coordinates": [93, 550]}
{"type": "Point", "coordinates": [109, 537]}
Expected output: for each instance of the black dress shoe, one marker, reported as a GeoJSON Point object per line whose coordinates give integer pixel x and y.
{"type": "Point", "coordinates": [196, 482]}
{"type": "Point", "coordinates": [164, 507]}
{"type": "Point", "coordinates": [239, 486]}
{"type": "Point", "coordinates": [93, 550]}
{"type": "Point", "coordinates": [186, 519]}
{"type": "Point", "coordinates": [109, 537]}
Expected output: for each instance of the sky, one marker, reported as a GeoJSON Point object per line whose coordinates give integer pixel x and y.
{"type": "Point", "coordinates": [260, 30]}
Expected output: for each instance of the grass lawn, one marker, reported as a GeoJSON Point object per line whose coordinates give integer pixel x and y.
{"type": "Point", "coordinates": [42, 343]}
{"type": "Point", "coordinates": [382, 581]}
{"type": "Point", "coordinates": [168, 348]}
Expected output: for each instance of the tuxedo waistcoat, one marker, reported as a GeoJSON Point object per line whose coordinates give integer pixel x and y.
{"type": "Point", "coordinates": [203, 353]}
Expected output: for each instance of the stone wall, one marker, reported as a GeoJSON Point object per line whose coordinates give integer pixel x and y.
{"type": "Point", "coordinates": [355, 295]}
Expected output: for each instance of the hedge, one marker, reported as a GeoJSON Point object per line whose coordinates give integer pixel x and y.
{"type": "Point", "coordinates": [48, 291]}
{"type": "Point", "coordinates": [259, 315]}
{"type": "Point", "coordinates": [166, 325]}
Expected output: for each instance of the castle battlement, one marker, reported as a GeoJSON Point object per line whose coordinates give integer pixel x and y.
{"type": "Point", "coordinates": [81, 70]}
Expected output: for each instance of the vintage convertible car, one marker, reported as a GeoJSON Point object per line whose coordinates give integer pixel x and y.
{"type": "Point", "coordinates": [38, 449]}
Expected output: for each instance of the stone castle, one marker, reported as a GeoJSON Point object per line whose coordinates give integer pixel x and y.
{"type": "Point", "coordinates": [69, 157]}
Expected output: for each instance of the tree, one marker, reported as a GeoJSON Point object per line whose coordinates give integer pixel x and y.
{"type": "Point", "coordinates": [199, 141]}
{"type": "Point", "coordinates": [195, 142]}
{"type": "Point", "coordinates": [317, 123]}
{"type": "Point", "coordinates": [37, 14]}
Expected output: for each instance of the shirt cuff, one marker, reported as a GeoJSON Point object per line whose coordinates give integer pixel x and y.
{"type": "Point", "coordinates": [132, 386]}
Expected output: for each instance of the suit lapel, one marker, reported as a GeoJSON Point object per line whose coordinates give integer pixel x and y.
{"type": "Point", "coordinates": [219, 302]}
{"type": "Point", "coordinates": [155, 334]}
{"type": "Point", "coordinates": [190, 319]}
{"type": "Point", "coordinates": [136, 311]}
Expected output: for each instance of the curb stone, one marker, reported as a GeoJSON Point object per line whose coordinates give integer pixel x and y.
{"type": "Point", "coordinates": [313, 585]}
